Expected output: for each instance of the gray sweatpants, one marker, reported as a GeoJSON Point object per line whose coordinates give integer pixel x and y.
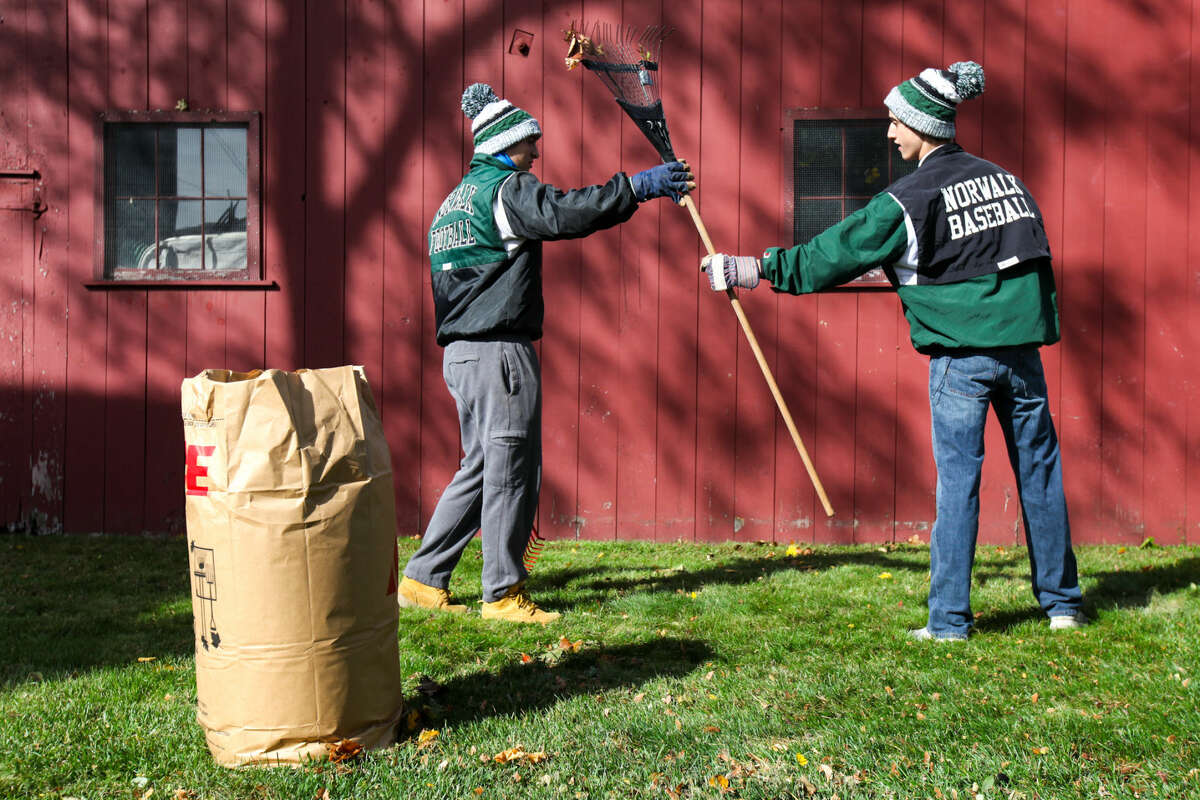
{"type": "Point", "coordinates": [496, 385]}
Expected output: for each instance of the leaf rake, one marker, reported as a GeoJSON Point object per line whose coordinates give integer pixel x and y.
{"type": "Point", "coordinates": [626, 59]}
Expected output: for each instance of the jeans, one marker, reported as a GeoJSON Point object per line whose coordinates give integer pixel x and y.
{"type": "Point", "coordinates": [496, 385]}
{"type": "Point", "coordinates": [961, 388]}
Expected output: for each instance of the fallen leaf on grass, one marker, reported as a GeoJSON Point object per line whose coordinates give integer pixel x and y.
{"type": "Point", "coordinates": [518, 754]}
{"type": "Point", "coordinates": [1041, 751]}
{"type": "Point", "coordinates": [711, 729]}
{"type": "Point", "coordinates": [184, 794]}
{"type": "Point", "coordinates": [342, 751]}
{"type": "Point", "coordinates": [720, 782]}
{"type": "Point", "coordinates": [801, 760]}
{"type": "Point", "coordinates": [526, 658]}
{"type": "Point", "coordinates": [885, 576]}
{"type": "Point", "coordinates": [146, 659]}
{"type": "Point", "coordinates": [827, 771]}
{"type": "Point", "coordinates": [566, 644]}
{"type": "Point", "coordinates": [427, 738]}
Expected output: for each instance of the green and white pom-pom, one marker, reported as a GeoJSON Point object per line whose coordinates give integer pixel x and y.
{"type": "Point", "coordinates": [476, 97]}
{"type": "Point", "coordinates": [969, 79]}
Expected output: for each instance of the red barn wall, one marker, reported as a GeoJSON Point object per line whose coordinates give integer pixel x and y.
{"type": "Point", "coordinates": [658, 424]}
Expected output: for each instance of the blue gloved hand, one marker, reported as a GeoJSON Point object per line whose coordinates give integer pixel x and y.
{"type": "Point", "coordinates": [672, 180]}
{"type": "Point", "coordinates": [725, 272]}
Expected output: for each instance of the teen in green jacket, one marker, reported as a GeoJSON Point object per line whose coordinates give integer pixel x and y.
{"type": "Point", "coordinates": [962, 241]}
{"type": "Point", "coordinates": [485, 252]}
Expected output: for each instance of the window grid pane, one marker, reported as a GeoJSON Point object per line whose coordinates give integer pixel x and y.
{"type": "Point", "coordinates": [838, 165]}
{"type": "Point", "coordinates": [176, 197]}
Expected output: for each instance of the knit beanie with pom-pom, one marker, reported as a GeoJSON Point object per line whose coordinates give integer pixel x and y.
{"type": "Point", "coordinates": [929, 102]}
{"type": "Point", "coordinates": [496, 124]}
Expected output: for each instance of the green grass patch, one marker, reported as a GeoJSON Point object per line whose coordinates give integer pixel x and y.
{"type": "Point", "coordinates": [735, 670]}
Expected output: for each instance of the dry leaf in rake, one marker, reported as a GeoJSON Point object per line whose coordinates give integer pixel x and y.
{"type": "Point", "coordinates": [578, 46]}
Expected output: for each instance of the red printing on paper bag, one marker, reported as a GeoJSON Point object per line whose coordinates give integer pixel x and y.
{"type": "Point", "coordinates": [195, 469]}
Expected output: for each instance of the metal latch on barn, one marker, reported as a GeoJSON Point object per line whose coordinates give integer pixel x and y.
{"type": "Point", "coordinates": [37, 208]}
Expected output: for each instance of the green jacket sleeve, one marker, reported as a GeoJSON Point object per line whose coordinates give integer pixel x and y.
{"type": "Point", "coordinates": [868, 238]}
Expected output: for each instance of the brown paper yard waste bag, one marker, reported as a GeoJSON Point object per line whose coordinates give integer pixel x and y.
{"type": "Point", "coordinates": [292, 548]}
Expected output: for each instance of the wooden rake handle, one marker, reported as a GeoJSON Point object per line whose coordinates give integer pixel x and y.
{"type": "Point", "coordinates": [762, 363]}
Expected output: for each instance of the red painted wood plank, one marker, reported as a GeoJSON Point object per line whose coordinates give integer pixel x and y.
{"type": "Point", "coordinates": [14, 117]}
{"type": "Point", "coordinates": [325, 199]}
{"type": "Point", "coordinates": [1123, 307]}
{"type": "Point", "coordinates": [1191, 496]}
{"type": "Point", "coordinates": [875, 415]}
{"type": "Point", "coordinates": [16, 259]}
{"type": "Point", "coordinates": [599, 358]}
{"type": "Point", "coordinates": [245, 312]}
{"type": "Point", "coordinates": [681, 289]}
{"type": "Point", "coordinates": [366, 190]}
{"type": "Point", "coordinates": [1081, 260]}
{"type": "Point", "coordinates": [561, 147]}
{"type": "Point", "coordinates": [636, 330]}
{"type": "Point", "coordinates": [1166, 374]}
{"type": "Point", "coordinates": [755, 456]}
{"type": "Point", "coordinates": [404, 259]}
{"type": "Point", "coordinates": [446, 133]}
{"type": "Point", "coordinates": [719, 177]}
{"type": "Point", "coordinates": [166, 363]}
{"type": "Point", "coordinates": [85, 446]}
{"type": "Point", "coordinates": [14, 422]}
{"type": "Point", "coordinates": [797, 511]}
{"type": "Point", "coordinates": [207, 49]}
{"type": "Point", "coordinates": [47, 117]}
{"type": "Point", "coordinates": [285, 147]}
{"type": "Point", "coordinates": [838, 313]}
{"type": "Point", "coordinates": [125, 375]}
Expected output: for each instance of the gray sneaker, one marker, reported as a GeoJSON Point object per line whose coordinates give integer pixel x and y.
{"type": "Point", "coordinates": [924, 635]}
{"type": "Point", "coordinates": [1069, 622]}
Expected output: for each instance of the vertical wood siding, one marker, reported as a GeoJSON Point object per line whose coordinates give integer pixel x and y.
{"type": "Point", "coordinates": [657, 422]}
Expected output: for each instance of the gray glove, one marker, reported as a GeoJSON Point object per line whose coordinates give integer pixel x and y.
{"type": "Point", "coordinates": [725, 272]}
{"type": "Point", "coordinates": [673, 180]}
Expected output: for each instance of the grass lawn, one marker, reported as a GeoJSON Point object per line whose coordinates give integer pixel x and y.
{"type": "Point", "coordinates": [678, 671]}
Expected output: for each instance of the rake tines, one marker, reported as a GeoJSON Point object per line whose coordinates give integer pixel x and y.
{"type": "Point", "coordinates": [625, 58]}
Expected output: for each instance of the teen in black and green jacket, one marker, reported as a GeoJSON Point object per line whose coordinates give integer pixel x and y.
{"type": "Point", "coordinates": [963, 243]}
{"type": "Point", "coordinates": [485, 252]}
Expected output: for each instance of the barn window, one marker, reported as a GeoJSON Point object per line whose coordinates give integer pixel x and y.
{"type": "Point", "coordinates": [840, 160]}
{"type": "Point", "coordinates": [180, 197]}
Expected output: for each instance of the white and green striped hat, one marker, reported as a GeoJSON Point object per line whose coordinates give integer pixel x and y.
{"type": "Point", "coordinates": [496, 124]}
{"type": "Point", "coordinates": [929, 102]}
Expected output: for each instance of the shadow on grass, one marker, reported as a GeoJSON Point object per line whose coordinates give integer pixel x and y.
{"type": "Point", "coordinates": [590, 585]}
{"type": "Point", "coordinates": [1134, 589]}
{"type": "Point", "coordinates": [1113, 590]}
{"type": "Point", "coordinates": [73, 603]}
{"type": "Point", "coordinates": [553, 677]}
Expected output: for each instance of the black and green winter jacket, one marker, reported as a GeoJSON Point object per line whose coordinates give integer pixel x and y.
{"type": "Point", "coordinates": [963, 243]}
{"type": "Point", "coordinates": [485, 246]}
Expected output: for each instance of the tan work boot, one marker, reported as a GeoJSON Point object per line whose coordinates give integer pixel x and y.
{"type": "Point", "coordinates": [517, 606]}
{"type": "Point", "coordinates": [414, 594]}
